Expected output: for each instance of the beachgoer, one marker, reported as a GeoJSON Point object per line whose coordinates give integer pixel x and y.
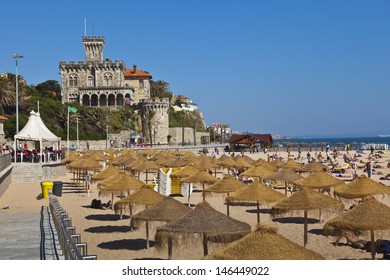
{"type": "Point", "coordinates": [308, 156]}
{"type": "Point", "coordinates": [97, 204]}
{"type": "Point", "coordinates": [368, 169]}
{"type": "Point", "coordinates": [351, 239]}
{"type": "Point", "coordinates": [88, 178]}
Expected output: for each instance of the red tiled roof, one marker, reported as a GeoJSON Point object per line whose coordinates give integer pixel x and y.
{"type": "Point", "coordinates": [138, 73]}
{"type": "Point", "coordinates": [3, 118]}
{"type": "Point", "coordinates": [251, 138]}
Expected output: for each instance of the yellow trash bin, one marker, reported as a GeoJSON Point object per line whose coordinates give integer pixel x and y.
{"type": "Point", "coordinates": [46, 187]}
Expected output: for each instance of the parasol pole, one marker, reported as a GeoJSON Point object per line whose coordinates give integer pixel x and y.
{"type": "Point", "coordinates": [203, 193]}
{"type": "Point", "coordinates": [205, 249]}
{"type": "Point", "coordinates": [147, 235]}
{"type": "Point", "coordinates": [258, 212]}
{"type": "Point", "coordinates": [170, 248]}
{"type": "Point", "coordinates": [131, 216]}
{"type": "Point", "coordinates": [373, 249]}
{"type": "Point", "coordinates": [305, 228]}
{"type": "Point", "coordinates": [227, 206]}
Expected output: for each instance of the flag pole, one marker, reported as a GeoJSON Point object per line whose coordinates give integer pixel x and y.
{"type": "Point", "coordinates": [67, 136]}
{"type": "Point", "coordinates": [77, 125]}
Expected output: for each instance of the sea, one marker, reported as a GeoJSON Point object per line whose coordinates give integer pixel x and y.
{"type": "Point", "coordinates": [355, 142]}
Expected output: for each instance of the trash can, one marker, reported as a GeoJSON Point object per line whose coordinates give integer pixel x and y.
{"type": "Point", "coordinates": [46, 187]}
{"type": "Point", "coordinates": [57, 188]}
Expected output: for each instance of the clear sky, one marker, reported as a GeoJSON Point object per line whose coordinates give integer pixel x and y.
{"type": "Point", "coordinates": [302, 67]}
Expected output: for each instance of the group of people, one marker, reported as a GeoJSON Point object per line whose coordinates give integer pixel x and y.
{"type": "Point", "coordinates": [381, 245]}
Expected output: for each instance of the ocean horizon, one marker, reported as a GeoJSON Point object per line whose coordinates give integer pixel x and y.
{"type": "Point", "coordinates": [356, 142]}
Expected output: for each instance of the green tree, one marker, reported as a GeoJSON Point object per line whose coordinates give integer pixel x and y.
{"type": "Point", "coordinates": [160, 89]}
{"type": "Point", "coordinates": [7, 95]}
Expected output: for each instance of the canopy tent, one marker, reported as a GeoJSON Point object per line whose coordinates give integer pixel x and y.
{"type": "Point", "coordinates": [36, 130]}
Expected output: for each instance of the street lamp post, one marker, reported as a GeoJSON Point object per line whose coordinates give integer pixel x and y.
{"type": "Point", "coordinates": [17, 56]}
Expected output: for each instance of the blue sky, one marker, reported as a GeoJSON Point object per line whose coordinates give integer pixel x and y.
{"type": "Point", "coordinates": [281, 67]}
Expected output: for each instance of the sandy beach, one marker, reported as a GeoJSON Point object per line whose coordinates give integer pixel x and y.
{"type": "Point", "coordinates": [110, 238]}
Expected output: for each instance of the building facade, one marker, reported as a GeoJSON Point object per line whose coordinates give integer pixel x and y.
{"type": "Point", "coordinates": [100, 82]}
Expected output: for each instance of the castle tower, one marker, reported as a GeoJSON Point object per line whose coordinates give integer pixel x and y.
{"type": "Point", "coordinates": [93, 46]}
{"type": "Point", "coordinates": [155, 120]}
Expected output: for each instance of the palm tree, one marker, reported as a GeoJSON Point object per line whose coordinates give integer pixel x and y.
{"type": "Point", "coordinates": [147, 124]}
{"type": "Point", "coordinates": [7, 95]}
{"type": "Point", "coordinates": [97, 117]}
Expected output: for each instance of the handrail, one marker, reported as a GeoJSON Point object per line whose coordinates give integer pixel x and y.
{"type": "Point", "coordinates": [70, 242]}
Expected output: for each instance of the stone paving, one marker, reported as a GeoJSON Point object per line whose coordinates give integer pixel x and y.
{"type": "Point", "coordinates": [20, 237]}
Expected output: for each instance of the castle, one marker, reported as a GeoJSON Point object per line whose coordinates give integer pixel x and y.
{"type": "Point", "coordinates": [102, 83]}
{"type": "Point", "coordinates": [99, 82]}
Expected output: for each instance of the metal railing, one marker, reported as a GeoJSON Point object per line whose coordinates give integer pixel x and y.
{"type": "Point", "coordinates": [70, 242]}
{"type": "Point", "coordinates": [5, 161]}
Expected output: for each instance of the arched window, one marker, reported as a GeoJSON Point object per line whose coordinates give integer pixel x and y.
{"type": "Point", "coordinates": [107, 79]}
{"type": "Point", "coordinates": [90, 81]}
{"type": "Point", "coordinates": [73, 80]}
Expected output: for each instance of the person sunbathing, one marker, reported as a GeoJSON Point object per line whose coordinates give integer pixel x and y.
{"type": "Point", "coordinates": [352, 239]}
{"type": "Point", "coordinates": [97, 204]}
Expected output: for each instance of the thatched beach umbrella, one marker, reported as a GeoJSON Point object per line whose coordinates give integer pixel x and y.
{"type": "Point", "coordinates": [292, 164]}
{"type": "Point", "coordinates": [319, 180]}
{"type": "Point", "coordinates": [211, 224]}
{"type": "Point", "coordinates": [278, 163]}
{"type": "Point", "coordinates": [166, 210]}
{"type": "Point", "coordinates": [264, 244]}
{"type": "Point", "coordinates": [258, 171]}
{"type": "Point", "coordinates": [306, 199]}
{"type": "Point", "coordinates": [370, 215]}
{"type": "Point", "coordinates": [144, 196]}
{"type": "Point", "coordinates": [119, 184]}
{"type": "Point", "coordinates": [286, 175]}
{"type": "Point", "coordinates": [242, 164]}
{"type": "Point", "coordinates": [226, 185]}
{"type": "Point", "coordinates": [256, 192]}
{"type": "Point", "coordinates": [146, 166]}
{"type": "Point", "coordinates": [361, 187]}
{"type": "Point", "coordinates": [83, 165]}
{"type": "Point", "coordinates": [266, 164]}
{"type": "Point", "coordinates": [106, 173]}
{"type": "Point", "coordinates": [314, 166]}
{"type": "Point", "coordinates": [202, 177]}
{"type": "Point", "coordinates": [185, 172]}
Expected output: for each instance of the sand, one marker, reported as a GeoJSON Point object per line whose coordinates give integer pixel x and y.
{"type": "Point", "coordinates": [110, 238]}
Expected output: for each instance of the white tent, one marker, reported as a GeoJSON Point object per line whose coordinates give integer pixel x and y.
{"type": "Point", "coordinates": [36, 130]}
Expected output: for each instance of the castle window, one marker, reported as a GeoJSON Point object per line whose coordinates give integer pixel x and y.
{"type": "Point", "coordinates": [73, 80]}
{"type": "Point", "coordinates": [107, 79]}
{"type": "Point", "coordinates": [141, 84]}
{"type": "Point", "coordinates": [90, 81]}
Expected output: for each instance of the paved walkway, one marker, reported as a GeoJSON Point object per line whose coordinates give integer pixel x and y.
{"type": "Point", "coordinates": [27, 236]}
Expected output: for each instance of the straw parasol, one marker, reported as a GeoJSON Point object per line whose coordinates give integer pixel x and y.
{"type": "Point", "coordinates": [306, 199]}
{"type": "Point", "coordinates": [118, 184]}
{"type": "Point", "coordinates": [319, 180]}
{"type": "Point", "coordinates": [278, 163]}
{"type": "Point", "coordinates": [226, 185]}
{"type": "Point", "coordinates": [370, 215]}
{"type": "Point", "coordinates": [201, 177]}
{"type": "Point", "coordinates": [292, 164]}
{"type": "Point", "coordinates": [144, 196]}
{"type": "Point", "coordinates": [242, 164]}
{"type": "Point", "coordinates": [185, 172]}
{"type": "Point", "coordinates": [266, 164]}
{"type": "Point", "coordinates": [166, 210]}
{"type": "Point", "coordinates": [258, 171]}
{"type": "Point", "coordinates": [211, 224]}
{"type": "Point", "coordinates": [264, 244]}
{"type": "Point", "coordinates": [256, 192]}
{"type": "Point", "coordinates": [361, 187]}
{"type": "Point", "coordinates": [83, 165]}
{"type": "Point", "coordinates": [146, 166]}
{"type": "Point", "coordinates": [106, 173]}
{"type": "Point", "coordinates": [286, 175]}
{"type": "Point", "coordinates": [314, 166]}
